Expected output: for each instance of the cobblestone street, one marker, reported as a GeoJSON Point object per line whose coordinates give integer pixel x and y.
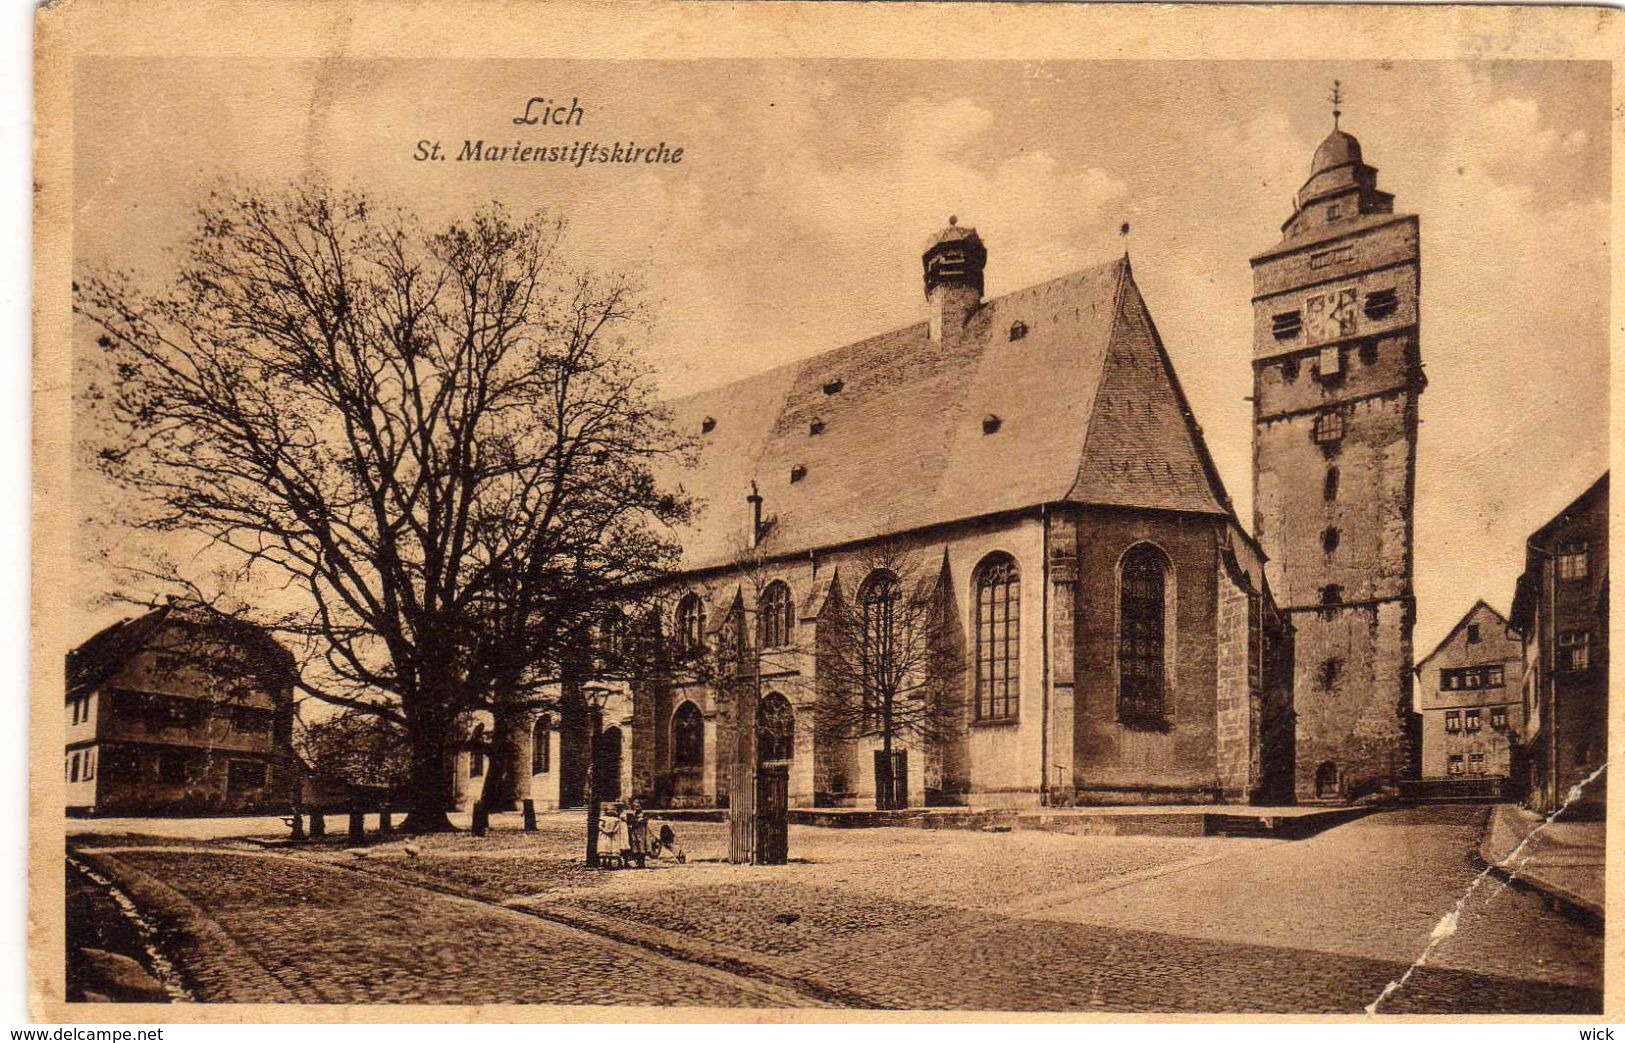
{"type": "Point", "coordinates": [900, 918]}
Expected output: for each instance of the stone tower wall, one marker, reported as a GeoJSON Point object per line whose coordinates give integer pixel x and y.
{"type": "Point", "coordinates": [1335, 517]}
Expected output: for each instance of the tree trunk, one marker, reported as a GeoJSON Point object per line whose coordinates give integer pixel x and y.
{"type": "Point", "coordinates": [428, 780]}
{"type": "Point", "coordinates": [507, 773]}
{"type": "Point", "coordinates": [742, 780]}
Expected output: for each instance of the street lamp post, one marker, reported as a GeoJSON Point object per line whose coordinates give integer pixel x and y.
{"type": "Point", "coordinates": [597, 697]}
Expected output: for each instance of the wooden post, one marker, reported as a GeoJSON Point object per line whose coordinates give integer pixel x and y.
{"type": "Point", "coordinates": [386, 823]}
{"type": "Point", "coordinates": [358, 825]}
{"type": "Point", "coordinates": [529, 807]}
{"type": "Point", "coordinates": [482, 819]}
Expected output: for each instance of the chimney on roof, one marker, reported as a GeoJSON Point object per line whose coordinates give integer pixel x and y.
{"type": "Point", "coordinates": [754, 501]}
{"type": "Point", "coordinates": [953, 263]}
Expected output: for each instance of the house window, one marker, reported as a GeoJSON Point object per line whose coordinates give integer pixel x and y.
{"type": "Point", "coordinates": [833, 387]}
{"type": "Point", "coordinates": [775, 615]}
{"type": "Point", "coordinates": [541, 746]}
{"type": "Point", "coordinates": [1330, 670]}
{"type": "Point", "coordinates": [1328, 429]}
{"type": "Point", "coordinates": [998, 639]}
{"type": "Point", "coordinates": [476, 753]}
{"type": "Point", "coordinates": [1474, 720]}
{"type": "Point", "coordinates": [242, 776]}
{"type": "Point", "coordinates": [1368, 353]}
{"type": "Point", "coordinates": [1498, 718]}
{"type": "Point", "coordinates": [1452, 721]}
{"type": "Point", "coordinates": [690, 624]}
{"type": "Point", "coordinates": [878, 655]}
{"type": "Point", "coordinates": [89, 765]}
{"type": "Point", "coordinates": [1456, 765]}
{"type": "Point", "coordinates": [1379, 304]}
{"type": "Point", "coordinates": [816, 427]}
{"type": "Point", "coordinates": [172, 769]}
{"type": "Point", "coordinates": [775, 729]}
{"type": "Point", "coordinates": [1473, 634]}
{"type": "Point", "coordinates": [1286, 325]}
{"type": "Point", "coordinates": [1475, 763]}
{"type": "Point", "coordinates": [1574, 650]}
{"type": "Point", "coordinates": [1329, 490]}
{"type": "Point", "coordinates": [991, 424]}
{"type": "Point", "coordinates": [1331, 594]}
{"type": "Point", "coordinates": [1141, 638]}
{"type": "Point", "coordinates": [73, 767]}
{"type": "Point", "coordinates": [708, 425]}
{"type": "Point", "coordinates": [1330, 538]}
{"type": "Point", "coordinates": [1289, 370]}
{"type": "Point", "coordinates": [687, 737]}
{"type": "Point", "coordinates": [1572, 561]}
{"type": "Point", "coordinates": [251, 722]}
{"type": "Point", "coordinates": [1018, 330]}
{"type": "Point", "coordinates": [797, 473]}
{"type": "Point", "coordinates": [1472, 678]}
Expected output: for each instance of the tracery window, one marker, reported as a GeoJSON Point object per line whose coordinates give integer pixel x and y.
{"type": "Point", "coordinates": [690, 624]}
{"type": "Point", "coordinates": [878, 598]}
{"type": "Point", "coordinates": [775, 615]}
{"type": "Point", "coordinates": [687, 737]}
{"type": "Point", "coordinates": [775, 729]}
{"type": "Point", "coordinates": [1141, 637]}
{"type": "Point", "coordinates": [998, 639]}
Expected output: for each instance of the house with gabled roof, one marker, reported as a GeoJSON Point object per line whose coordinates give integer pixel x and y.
{"type": "Point", "coordinates": [1035, 456]}
{"type": "Point", "coordinates": [180, 710]}
{"type": "Point", "coordinates": [1470, 698]}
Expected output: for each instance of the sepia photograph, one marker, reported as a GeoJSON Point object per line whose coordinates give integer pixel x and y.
{"type": "Point", "coordinates": [792, 530]}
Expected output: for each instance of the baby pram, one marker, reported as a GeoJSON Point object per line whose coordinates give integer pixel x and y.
{"type": "Point", "coordinates": [666, 841]}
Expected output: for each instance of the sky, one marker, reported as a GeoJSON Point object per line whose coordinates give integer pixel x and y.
{"type": "Point", "coordinates": [807, 190]}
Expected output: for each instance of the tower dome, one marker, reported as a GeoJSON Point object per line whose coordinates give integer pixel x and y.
{"type": "Point", "coordinates": [954, 255]}
{"type": "Point", "coordinates": [1340, 149]}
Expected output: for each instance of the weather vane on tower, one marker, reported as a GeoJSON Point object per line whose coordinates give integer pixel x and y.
{"type": "Point", "coordinates": [1337, 102]}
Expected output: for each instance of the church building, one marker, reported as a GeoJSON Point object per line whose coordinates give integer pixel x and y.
{"type": "Point", "coordinates": [1101, 626]}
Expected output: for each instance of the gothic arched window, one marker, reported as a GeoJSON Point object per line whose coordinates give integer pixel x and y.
{"type": "Point", "coordinates": [1142, 637]}
{"type": "Point", "coordinates": [998, 639]}
{"type": "Point", "coordinates": [878, 600]}
{"type": "Point", "coordinates": [612, 637]}
{"type": "Point", "coordinates": [476, 752]}
{"type": "Point", "coordinates": [775, 729]}
{"type": "Point", "coordinates": [690, 624]}
{"type": "Point", "coordinates": [775, 615]}
{"type": "Point", "coordinates": [687, 737]}
{"type": "Point", "coordinates": [541, 753]}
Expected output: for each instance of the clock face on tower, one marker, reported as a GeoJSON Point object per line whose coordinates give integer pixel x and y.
{"type": "Point", "coordinates": [1329, 315]}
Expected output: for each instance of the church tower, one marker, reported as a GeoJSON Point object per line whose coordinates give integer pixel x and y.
{"type": "Point", "coordinates": [1337, 374]}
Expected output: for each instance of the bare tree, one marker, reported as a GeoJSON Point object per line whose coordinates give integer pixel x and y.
{"type": "Point", "coordinates": [890, 662]}
{"type": "Point", "coordinates": [425, 450]}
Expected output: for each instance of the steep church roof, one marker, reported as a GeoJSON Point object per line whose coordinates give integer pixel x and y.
{"type": "Point", "coordinates": [1057, 392]}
